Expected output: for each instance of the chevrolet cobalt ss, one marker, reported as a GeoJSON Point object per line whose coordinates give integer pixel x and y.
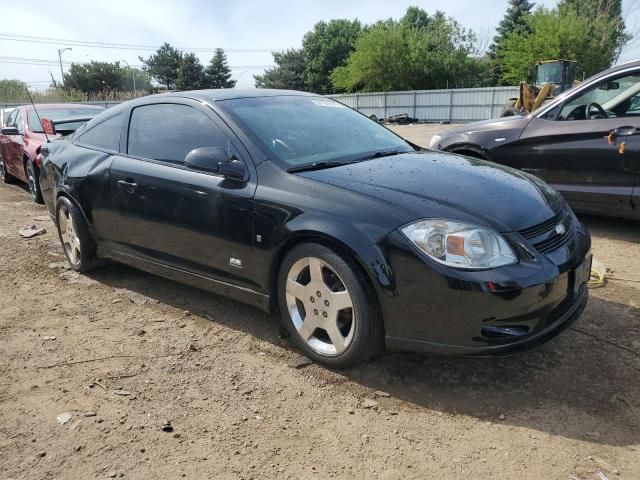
{"type": "Point", "coordinates": [295, 203]}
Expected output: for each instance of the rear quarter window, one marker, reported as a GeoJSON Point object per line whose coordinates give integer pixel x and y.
{"type": "Point", "coordinates": [105, 135]}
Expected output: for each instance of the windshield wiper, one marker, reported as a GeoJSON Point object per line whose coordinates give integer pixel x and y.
{"type": "Point", "coordinates": [335, 163]}
{"type": "Point", "coordinates": [315, 166]}
{"type": "Point", "coordinates": [378, 154]}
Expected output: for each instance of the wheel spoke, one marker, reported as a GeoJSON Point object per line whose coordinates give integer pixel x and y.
{"type": "Point", "coordinates": [340, 300]}
{"type": "Point", "coordinates": [315, 271]}
{"type": "Point", "coordinates": [75, 242]}
{"type": "Point", "coordinates": [336, 337]}
{"type": "Point", "coordinates": [307, 328]}
{"type": "Point", "coordinates": [295, 289]}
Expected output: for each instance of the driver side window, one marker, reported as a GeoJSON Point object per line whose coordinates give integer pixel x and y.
{"type": "Point", "coordinates": [610, 98]}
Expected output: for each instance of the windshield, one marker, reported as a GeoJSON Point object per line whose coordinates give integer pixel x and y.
{"type": "Point", "coordinates": [301, 130]}
{"type": "Point", "coordinates": [59, 114]}
{"type": "Point", "coordinates": [549, 73]}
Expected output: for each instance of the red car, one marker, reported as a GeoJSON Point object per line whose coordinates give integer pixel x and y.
{"type": "Point", "coordinates": [21, 137]}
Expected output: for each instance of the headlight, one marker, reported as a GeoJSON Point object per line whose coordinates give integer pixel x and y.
{"type": "Point", "coordinates": [460, 244]}
{"type": "Point", "coordinates": [435, 140]}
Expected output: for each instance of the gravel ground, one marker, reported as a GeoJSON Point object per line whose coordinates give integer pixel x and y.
{"type": "Point", "coordinates": [123, 374]}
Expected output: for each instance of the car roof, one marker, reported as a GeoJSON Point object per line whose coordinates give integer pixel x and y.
{"type": "Point", "coordinates": [214, 95]}
{"type": "Point", "coordinates": [621, 66]}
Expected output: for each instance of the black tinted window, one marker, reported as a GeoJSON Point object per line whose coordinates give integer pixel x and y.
{"type": "Point", "coordinates": [168, 132]}
{"type": "Point", "coordinates": [105, 135]}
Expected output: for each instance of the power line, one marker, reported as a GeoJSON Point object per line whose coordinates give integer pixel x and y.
{"type": "Point", "coordinates": [44, 62]}
{"type": "Point", "coordinates": [119, 46]}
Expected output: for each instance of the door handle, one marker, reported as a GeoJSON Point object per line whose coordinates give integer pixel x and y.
{"type": "Point", "coordinates": [621, 132]}
{"type": "Point", "coordinates": [128, 186]}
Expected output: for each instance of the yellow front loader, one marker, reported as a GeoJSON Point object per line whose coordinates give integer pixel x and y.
{"type": "Point", "coordinates": [552, 78]}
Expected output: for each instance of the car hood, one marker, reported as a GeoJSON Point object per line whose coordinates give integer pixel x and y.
{"type": "Point", "coordinates": [442, 185]}
{"type": "Point", "coordinates": [504, 123]}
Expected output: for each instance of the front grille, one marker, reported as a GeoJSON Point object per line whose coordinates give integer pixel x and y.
{"type": "Point", "coordinates": [544, 236]}
{"type": "Point", "coordinates": [541, 228]}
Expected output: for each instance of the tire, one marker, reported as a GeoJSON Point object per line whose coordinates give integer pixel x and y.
{"type": "Point", "coordinates": [4, 175]}
{"type": "Point", "coordinates": [33, 181]}
{"type": "Point", "coordinates": [78, 246]}
{"type": "Point", "coordinates": [510, 112]}
{"type": "Point", "coordinates": [328, 307]}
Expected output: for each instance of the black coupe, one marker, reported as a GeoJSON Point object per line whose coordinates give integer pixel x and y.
{"type": "Point", "coordinates": [295, 203]}
{"type": "Point", "coordinates": [585, 143]}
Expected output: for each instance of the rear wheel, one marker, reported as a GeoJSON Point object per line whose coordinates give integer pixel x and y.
{"type": "Point", "coordinates": [32, 175]}
{"type": "Point", "coordinates": [4, 175]}
{"type": "Point", "coordinates": [78, 245]}
{"type": "Point", "coordinates": [328, 307]}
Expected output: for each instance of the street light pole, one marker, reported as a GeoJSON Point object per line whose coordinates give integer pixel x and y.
{"type": "Point", "coordinates": [60, 52]}
{"type": "Point", "coordinates": [133, 75]}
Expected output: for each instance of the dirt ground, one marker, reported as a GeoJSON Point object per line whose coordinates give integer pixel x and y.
{"type": "Point", "coordinates": [123, 374]}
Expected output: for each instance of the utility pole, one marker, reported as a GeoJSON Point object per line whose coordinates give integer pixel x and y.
{"type": "Point", "coordinates": [60, 52]}
{"type": "Point", "coordinates": [133, 74]}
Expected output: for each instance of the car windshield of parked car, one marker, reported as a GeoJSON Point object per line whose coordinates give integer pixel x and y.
{"type": "Point", "coordinates": [59, 114]}
{"type": "Point", "coordinates": [306, 130]}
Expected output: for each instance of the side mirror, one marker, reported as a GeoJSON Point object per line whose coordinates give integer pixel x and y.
{"type": "Point", "coordinates": [47, 126]}
{"type": "Point", "coordinates": [206, 159]}
{"type": "Point", "coordinates": [234, 169]}
{"type": "Point", "coordinates": [10, 131]}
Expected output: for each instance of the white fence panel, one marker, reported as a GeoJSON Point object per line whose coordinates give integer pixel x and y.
{"type": "Point", "coordinates": [453, 105]}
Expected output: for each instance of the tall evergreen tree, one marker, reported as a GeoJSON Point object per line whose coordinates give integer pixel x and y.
{"type": "Point", "coordinates": [163, 65]}
{"type": "Point", "coordinates": [288, 72]}
{"type": "Point", "coordinates": [190, 73]}
{"type": "Point", "coordinates": [514, 20]}
{"type": "Point", "coordinates": [218, 73]}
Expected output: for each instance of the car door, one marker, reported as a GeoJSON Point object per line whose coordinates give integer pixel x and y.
{"type": "Point", "coordinates": [193, 220]}
{"type": "Point", "coordinates": [568, 146]}
{"type": "Point", "coordinates": [13, 145]}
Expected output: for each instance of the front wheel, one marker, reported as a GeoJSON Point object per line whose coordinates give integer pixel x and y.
{"type": "Point", "coordinates": [328, 306]}
{"type": "Point", "coordinates": [79, 247]}
{"type": "Point", "coordinates": [33, 182]}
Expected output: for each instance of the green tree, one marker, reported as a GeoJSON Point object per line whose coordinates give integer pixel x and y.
{"type": "Point", "coordinates": [606, 34]}
{"type": "Point", "coordinates": [418, 52]}
{"type": "Point", "coordinates": [288, 72]}
{"type": "Point", "coordinates": [514, 20]}
{"type": "Point", "coordinates": [94, 77]}
{"type": "Point", "coordinates": [163, 65]}
{"type": "Point", "coordinates": [17, 85]}
{"type": "Point", "coordinates": [218, 73]}
{"type": "Point", "coordinates": [190, 73]}
{"type": "Point", "coordinates": [142, 80]}
{"type": "Point", "coordinates": [593, 38]}
{"type": "Point", "coordinates": [326, 47]}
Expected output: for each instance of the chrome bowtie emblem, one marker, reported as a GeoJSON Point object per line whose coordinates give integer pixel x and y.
{"type": "Point", "coordinates": [560, 229]}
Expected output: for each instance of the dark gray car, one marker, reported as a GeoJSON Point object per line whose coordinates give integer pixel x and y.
{"type": "Point", "coordinates": [585, 143]}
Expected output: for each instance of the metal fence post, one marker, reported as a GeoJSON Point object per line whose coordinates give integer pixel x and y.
{"type": "Point", "coordinates": [415, 100]}
{"type": "Point", "coordinates": [450, 105]}
{"type": "Point", "coordinates": [357, 102]}
{"type": "Point", "coordinates": [384, 111]}
{"type": "Point", "coordinates": [493, 101]}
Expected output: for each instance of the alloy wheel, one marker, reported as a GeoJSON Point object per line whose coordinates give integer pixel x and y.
{"type": "Point", "coordinates": [3, 171]}
{"type": "Point", "coordinates": [70, 239]}
{"type": "Point", "coordinates": [320, 306]}
{"type": "Point", "coordinates": [31, 180]}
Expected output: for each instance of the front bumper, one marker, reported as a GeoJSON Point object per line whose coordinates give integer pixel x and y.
{"type": "Point", "coordinates": [434, 309]}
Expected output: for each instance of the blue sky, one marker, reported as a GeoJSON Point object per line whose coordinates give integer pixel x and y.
{"type": "Point", "coordinates": [276, 24]}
